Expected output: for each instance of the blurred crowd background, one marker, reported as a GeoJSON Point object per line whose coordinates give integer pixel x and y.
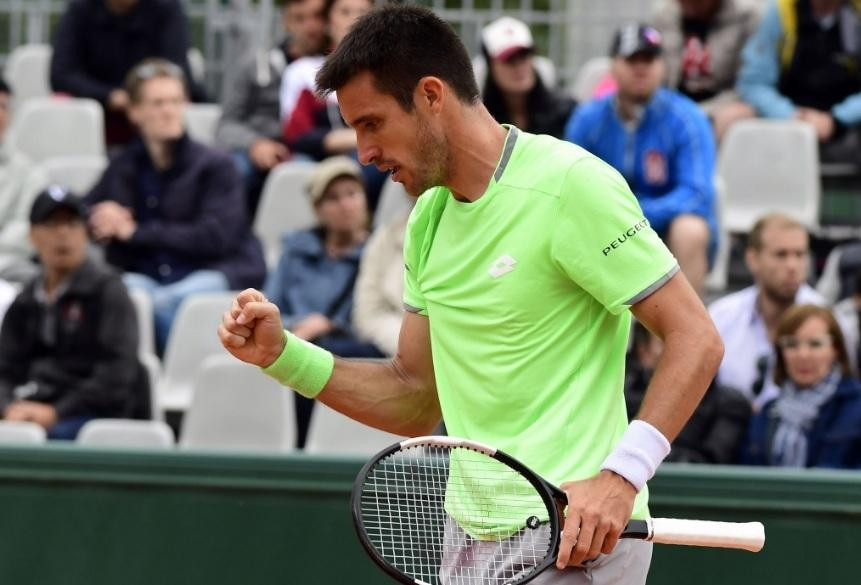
{"type": "Point", "coordinates": [159, 155]}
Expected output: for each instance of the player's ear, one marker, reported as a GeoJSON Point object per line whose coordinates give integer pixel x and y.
{"type": "Point", "coordinates": [430, 93]}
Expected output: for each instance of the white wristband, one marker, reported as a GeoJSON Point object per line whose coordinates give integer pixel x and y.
{"type": "Point", "coordinates": [638, 453]}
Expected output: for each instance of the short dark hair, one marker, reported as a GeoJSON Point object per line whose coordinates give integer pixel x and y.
{"type": "Point", "coordinates": [4, 87]}
{"type": "Point", "coordinates": [399, 45]}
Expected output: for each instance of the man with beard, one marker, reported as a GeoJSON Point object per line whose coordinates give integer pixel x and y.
{"type": "Point", "coordinates": [525, 258]}
{"type": "Point", "coordinates": [778, 256]}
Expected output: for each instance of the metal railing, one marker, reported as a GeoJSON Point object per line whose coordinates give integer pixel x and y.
{"type": "Point", "coordinates": [567, 31]}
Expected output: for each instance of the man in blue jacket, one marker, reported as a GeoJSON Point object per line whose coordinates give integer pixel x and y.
{"type": "Point", "coordinates": [661, 143]}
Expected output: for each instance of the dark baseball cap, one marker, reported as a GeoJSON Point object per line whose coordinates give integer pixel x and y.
{"type": "Point", "coordinates": [51, 199]}
{"type": "Point", "coordinates": [634, 38]}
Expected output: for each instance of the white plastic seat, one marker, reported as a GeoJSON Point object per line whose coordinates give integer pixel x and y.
{"type": "Point", "coordinates": [193, 338]}
{"type": "Point", "coordinates": [146, 325]}
{"type": "Point", "coordinates": [48, 127]}
{"type": "Point", "coordinates": [13, 431]}
{"type": "Point", "coordinates": [28, 71]}
{"type": "Point", "coordinates": [152, 364]}
{"type": "Point", "coordinates": [769, 166]}
{"type": "Point", "coordinates": [78, 173]}
{"type": "Point", "coordinates": [237, 407]}
{"type": "Point", "coordinates": [115, 432]}
{"type": "Point", "coordinates": [331, 432]}
{"type": "Point", "coordinates": [201, 121]}
{"type": "Point", "coordinates": [588, 77]}
{"type": "Point", "coordinates": [284, 205]}
{"type": "Point", "coordinates": [393, 202]}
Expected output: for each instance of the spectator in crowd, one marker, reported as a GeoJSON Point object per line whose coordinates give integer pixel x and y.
{"type": "Point", "coordinates": [661, 143]}
{"type": "Point", "coordinates": [69, 342]}
{"type": "Point", "coordinates": [815, 420]}
{"type": "Point", "coordinates": [717, 427]}
{"type": "Point", "coordinates": [703, 40]}
{"type": "Point", "coordinates": [20, 181]}
{"type": "Point", "coordinates": [313, 127]}
{"type": "Point", "coordinates": [777, 256]}
{"type": "Point", "coordinates": [169, 209]}
{"type": "Point", "coordinates": [97, 42]}
{"type": "Point", "coordinates": [250, 127]}
{"type": "Point", "coordinates": [314, 280]}
{"type": "Point", "coordinates": [513, 91]}
{"type": "Point", "coordinates": [847, 314]}
{"type": "Point", "coordinates": [802, 63]}
{"type": "Point", "coordinates": [378, 307]}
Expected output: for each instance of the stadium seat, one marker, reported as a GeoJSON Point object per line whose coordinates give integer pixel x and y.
{"type": "Point", "coordinates": [393, 201]}
{"type": "Point", "coordinates": [197, 64]}
{"type": "Point", "coordinates": [283, 206]}
{"type": "Point", "coordinates": [114, 432]}
{"type": "Point", "coordinates": [76, 173]}
{"type": "Point", "coordinates": [201, 121]}
{"type": "Point", "coordinates": [28, 72]}
{"type": "Point", "coordinates": [769, 166]}
{"type": "Point", "coordinates": [331, 432]}
{"type": "Point", "coordinates": [146, 325]}
{"type": "Point", "coordinates": [192, 339]}
{"type": "Point", "coordinates": [588, 77]}
{"type": "Point", "coordinates": [153, 368]}
{"type": "Point", "coordinates": [47, 127]}
{"type": "Point", "coordinates": [236, 406]}
{"type": "Point", "coordinates": [718, 277]}
{"type": "Point", "coordinates": [21, 432]}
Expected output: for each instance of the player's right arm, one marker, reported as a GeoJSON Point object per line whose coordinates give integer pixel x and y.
{"type": "Point", "coordinates": [397, 395]}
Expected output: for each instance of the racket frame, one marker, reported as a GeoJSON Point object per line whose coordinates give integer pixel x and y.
{"type": "Point", "coordinates": [550, 496]}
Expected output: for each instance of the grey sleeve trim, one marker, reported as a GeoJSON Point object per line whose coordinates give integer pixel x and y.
{"type": "Point", "coordinates": [655, 286]}
{"type": "Point", "coordinates": [412, 309]}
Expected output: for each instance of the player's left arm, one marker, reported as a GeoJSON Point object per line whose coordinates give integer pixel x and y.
{"type": "Point", "coordinates": [692, 353]}
{"type": "Point", "coordinates": [600, 506]}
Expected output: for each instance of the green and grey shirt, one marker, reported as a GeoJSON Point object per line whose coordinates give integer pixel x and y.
{"type": "Point", "coordinates": [527, 290]}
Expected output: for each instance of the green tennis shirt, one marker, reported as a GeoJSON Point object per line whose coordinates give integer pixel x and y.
{"type": "Point", "coordinates": [527, 290]}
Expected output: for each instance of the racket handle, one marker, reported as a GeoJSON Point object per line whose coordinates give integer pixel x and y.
{"type": "Point", "coordinates": [742, 535]}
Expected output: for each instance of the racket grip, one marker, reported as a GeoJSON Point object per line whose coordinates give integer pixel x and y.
{"type": "Point", "coordinates": [742, 535]}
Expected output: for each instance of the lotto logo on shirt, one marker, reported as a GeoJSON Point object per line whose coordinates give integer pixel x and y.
{"type": "Point", "coordinates": [655, 167]}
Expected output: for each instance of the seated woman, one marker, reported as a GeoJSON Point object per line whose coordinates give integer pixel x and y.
{"type": "Point", "coordinates": [313, 282]}
{"type": "Point", "coordinates": [816, 419]}
{"type": "Point", "coordinates": [513, 92]}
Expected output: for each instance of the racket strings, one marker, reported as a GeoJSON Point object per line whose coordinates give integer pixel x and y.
{"type": "Point", "coordinates": [453, 516]}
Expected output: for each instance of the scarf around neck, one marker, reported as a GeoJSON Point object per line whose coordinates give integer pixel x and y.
{"type": "Point", "coordinates": [794, 413]}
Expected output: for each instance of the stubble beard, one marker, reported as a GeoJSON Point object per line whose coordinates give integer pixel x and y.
{"type": "Point", "coordinates": [437, 160]}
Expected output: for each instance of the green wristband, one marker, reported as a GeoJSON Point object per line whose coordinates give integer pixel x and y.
{"type": "Point", "coordinates": [302, 366]}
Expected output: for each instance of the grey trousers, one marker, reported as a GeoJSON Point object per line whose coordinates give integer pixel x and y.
{"type": "Point", "coordinates": [467, 561]}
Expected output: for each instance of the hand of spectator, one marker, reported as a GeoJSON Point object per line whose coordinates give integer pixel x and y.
{"type": "Point", "coordinates": [822, 122]}
{"type": "Point", "coordinates": [118, 100]}
{"type": "Point", "coordinates": [109, 219]}
{"type": "Point", "coordinates": [340, 141]}
{"type": "Point", "coordinates": [252, 329]}
{"type": "Point", "coordinates": [312, 327]}
{"type": "Point", "coordinates": [266, 153]}
{"type": "Point", "coordinates": [598, 510]}
{"type": "Point", "coordinates": [42, 414]}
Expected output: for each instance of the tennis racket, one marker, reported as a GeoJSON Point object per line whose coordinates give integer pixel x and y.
{"type": "Point", "coordinates": [448, 511]}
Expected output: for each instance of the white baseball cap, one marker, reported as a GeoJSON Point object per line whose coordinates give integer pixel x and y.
{"type": "Point", "coordinates": [505, 36]}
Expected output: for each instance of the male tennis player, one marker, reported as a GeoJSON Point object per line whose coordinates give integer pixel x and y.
{"type": "Point", "coordinates": [525, 258]}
